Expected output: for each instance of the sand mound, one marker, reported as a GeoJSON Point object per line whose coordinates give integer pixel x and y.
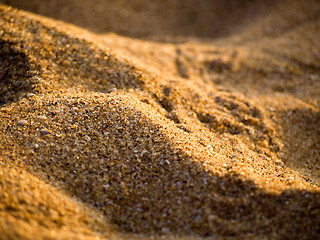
{"type": "Point", "coordinates": [104, 136]}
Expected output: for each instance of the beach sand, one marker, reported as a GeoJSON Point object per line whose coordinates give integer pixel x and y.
{"type": "Point", "coordinates": [159, 119]}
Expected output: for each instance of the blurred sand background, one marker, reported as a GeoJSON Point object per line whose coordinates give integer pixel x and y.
{"type": "Point", "coordinates": [159, 119]}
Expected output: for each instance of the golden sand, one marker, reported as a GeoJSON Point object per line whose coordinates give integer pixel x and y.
{"type": "Point", "coordinates": [160, 119]}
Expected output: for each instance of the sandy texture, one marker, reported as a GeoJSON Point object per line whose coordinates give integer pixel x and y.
{"type": "Point", "coordinates": [150, 119]}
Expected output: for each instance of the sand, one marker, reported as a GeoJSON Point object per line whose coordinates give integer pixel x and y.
{"type": "Point", "coordinates": [159, 119]}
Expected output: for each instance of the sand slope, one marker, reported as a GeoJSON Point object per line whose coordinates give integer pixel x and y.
{"type": "Point", "coordinates": [173, 129]}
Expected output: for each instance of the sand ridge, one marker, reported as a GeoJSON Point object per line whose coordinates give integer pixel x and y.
{"type": "Point", "coordinates": [207, 140]}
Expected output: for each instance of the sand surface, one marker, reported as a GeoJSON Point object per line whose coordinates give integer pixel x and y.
{"type": "Point", "coordinates": [159, 119]}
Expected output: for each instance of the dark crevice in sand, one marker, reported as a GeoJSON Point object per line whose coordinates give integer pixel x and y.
{"type": "Point", "coordinates": [15, 76]}
{"type": "Point", "coordinates": [301, 66]}
{"type": "Point", "coordinates": [217, 66]}
{"type": "Point", "coordinates": [180, 65]}
{"type": "Point", "coordinates": [166, 103]}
